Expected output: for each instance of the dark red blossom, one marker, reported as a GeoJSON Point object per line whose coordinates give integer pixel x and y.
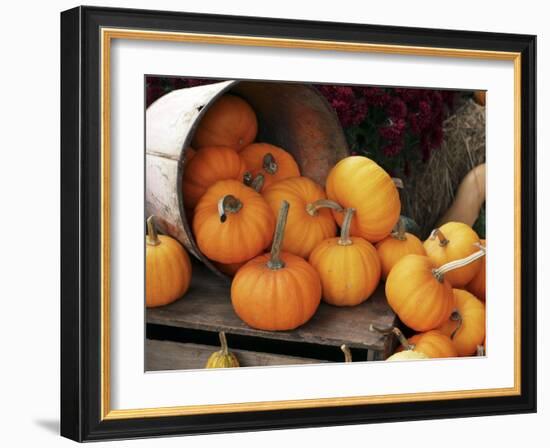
{"type": "Point", "coordinates": [394, 130]}
{"type": "Point", "coordinates": [349, 106]}
{"type": "Point", "coordinates": [396, 108]}
{"type": "Point", "coordinates": [392, 149]}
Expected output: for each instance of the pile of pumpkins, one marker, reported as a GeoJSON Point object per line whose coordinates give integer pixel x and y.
{"type": "Point", "coordinates": [275, 232]}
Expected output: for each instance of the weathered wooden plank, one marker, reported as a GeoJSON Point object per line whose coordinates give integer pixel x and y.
{"type": "Point", "coordinates": [207, 306]}
{"type": "Point", "coordinates": [168, 355]}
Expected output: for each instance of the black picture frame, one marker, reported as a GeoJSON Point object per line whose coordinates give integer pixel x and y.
{"type": "Point", "coordinates": [81, 224]}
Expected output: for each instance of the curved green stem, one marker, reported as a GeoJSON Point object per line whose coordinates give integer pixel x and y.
{"type": "Point", "coordinates": [345, 240]}
{"type": "Point", "coordinates": [275, 261]}
{"type": "Point", "coordinates": [313, 207]}
{"type": "Point", "coordinates": [443, 241]}
{"type": "Point", "coordinates": [456, 317]}
{"type": "Point", "coordinates": [269, 164]}
{"type": "Point", "coordinates": [152, 237]}
{"type": "Point", "coordinates": [223, 343]}
{"type": "Point", "coordinates": [397, 332]}
{"type": "Point", "coordinates": [347, 353]}
{"type": "Point", "coordinates": [439, 273]}
{"type": "Point", "coordinates": [258, 182]}
{"type": "Point", "coordinates": [399, 233]}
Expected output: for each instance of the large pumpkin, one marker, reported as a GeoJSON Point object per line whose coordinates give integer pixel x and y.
{"type": "Point", "coordinates": [232, 222]}
{"type": "Point", "coordinates": [395, 246]}
{"type": "Point", "coordinates": [477, 284]}
{"type": "Point", "coordinates": [230, 121]}
{"type": "Point", "coordinates": [167, 268]}
{"type": "Point", "coordinates": [309, 219]}
{"type": "Point", "coordinates": [208, 166]}
{"type": "Point", "coordinates": [270, 162]}
{"type": "Point", "coordinates": [358, 182]}
{"type": "Point", "coordinates": [277, 291]}
{"type": "Point", "coordinates": [349, 267]}
{"type": "Point", "coordinates": [453, 241]}
{"type": "Point", "coordinates": [466, 325]}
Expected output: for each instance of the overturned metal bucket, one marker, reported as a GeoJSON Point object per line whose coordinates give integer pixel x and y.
{"type": "Point", "coordinates": [290, 115]}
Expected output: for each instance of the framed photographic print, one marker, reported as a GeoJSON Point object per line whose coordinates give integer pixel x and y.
{"type": "Point", "coordinates": [276, 224]}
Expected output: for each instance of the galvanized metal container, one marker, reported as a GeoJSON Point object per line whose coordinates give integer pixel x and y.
{"type": "Point", "coordinates": [290, 115]}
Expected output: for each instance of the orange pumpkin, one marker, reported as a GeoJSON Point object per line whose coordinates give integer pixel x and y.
{"type": "Point", "coordinates": [395, 246]}
{"type": "Point", "coordinates": [269, 161]}
{"type": "Point", "coordinates": [208, 166]}
{"type": "Point", "coordinates": [230, 121]}
{"type": "Point", "coordinates": [277, 291]}
{"type": "Point", "coordinates": [466, 325]}
{"type": "Point", "coordinates": [309, 219]}
{"type": "Point", "coordinates": [420, 294]}
{"type": "Point", "coordinates": [454, 241]}
{"type": "Point", "coordinates": [232, 222]}
{"type": "Point", "coordinates": [167, 268]}
{"type": "Point", "coordinates": [477, 284]}
{"type": "Point", "coordinates": [434, 344]}
{"type": "Point", "coordinates": [358, 182]}
{"type": "Point", "coordinates": [348, 266]}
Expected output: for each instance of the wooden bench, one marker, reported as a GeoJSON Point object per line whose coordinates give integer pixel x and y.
{"type": "Point", "coordinates": [206, 309]}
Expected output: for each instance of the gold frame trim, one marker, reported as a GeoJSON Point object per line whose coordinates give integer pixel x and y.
{"type": "Point", "coordinates": [107, 35]}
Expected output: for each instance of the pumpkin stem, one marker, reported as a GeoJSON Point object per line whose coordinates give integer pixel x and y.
{"type": "Point", "coordinates": [397, 332]}
{"type": "Point", "coordinates": [228, 204]}
{"type": "Point", "coordinates": [344, 232]}
{"type": "Point", "coordinates": [223, 343]}
{"type": "Point", "coordinates": [438, 273]}
{"type": "Point", "coordinates": [152, 237]}
{"type": "Point", "coordinates": [399, 232]}
{"type": "Point", "coordinates": [347, 353]}
{"type": "Point", "coordinates": [313, 207]}
{"type": "Point", "coordinates": [398, 182]}
{"type": "Point", "coordinates": [247, 178]}
{"type": "Point", "coordinates": [275, 261]}
{"type": "Point", "coordinates": [269, 164]}
{"type": "Point", "coordinates": [258, 182]}
{"type": "Point", "coordinates": [456, 317]}
{"type": "Point", "coordinates": [443, 241]}
{"type": "Point", "coordinates": [480, 350]}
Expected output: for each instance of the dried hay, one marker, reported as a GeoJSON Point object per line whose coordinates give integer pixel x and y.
{"type": "Point", "coordinates": [429, 191]}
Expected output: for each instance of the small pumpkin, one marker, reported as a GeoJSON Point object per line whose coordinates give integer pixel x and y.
{"type": "Point", "coordinates": [208, 166]}
{"type": "Point", "coordinates": [433, 343]}
{"type": "Point", "coordinates": [309, 218]}
{"type": "Point", "coordinates": [454, 241]}
{"type": "Point", "coordinates": [420, 294]}
{"type": "Point", "coordinates": [167, 268]}
{"type": "Point", "coordinates": [232, 222]}
{"type": "Point", "coordinates": [466, 325]}
{"type": "Point", "coordinates": [270, 162]}
{"type": "Point", "coordinates": [358, 182]}
{"type": "Point", "coordinates": [478, 283]}
{"type": "Point", "coordinates": [407, 355]}
{"type": "Point", "coordinates": [230, 121]}
{"type": "Point", "coordinates": [223, 358]}
{"type": "Point", "coordinates": [395, 246]}
{"type": "Point", "coordinates": [277, 291]}
{"type": "Point", "coordinates": [349, 267]}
